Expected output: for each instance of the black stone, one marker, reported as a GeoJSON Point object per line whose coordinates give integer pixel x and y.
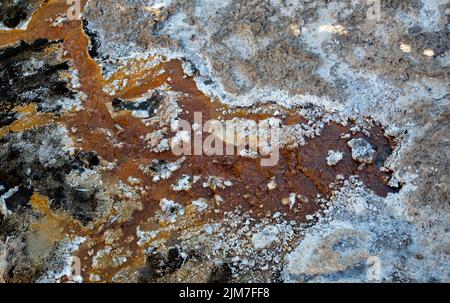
{"type": "Point", "coordinates": [94, 41]}
{"type": "Point", "coordinates": [150, 105]}
{"type": "Point", "coordinates": [11, 14]}
{"type": "Point", "coordinates": [158, 264]}
{"type": "Point", "coordinates": [21, 198]}
{"type": "Point", "coordinates": [23, 168]}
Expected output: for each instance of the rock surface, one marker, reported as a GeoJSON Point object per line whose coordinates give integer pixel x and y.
{"type": "Point", "coordinates": [86, 169]}
{"type": "Point", "coordinates": [14, 13]}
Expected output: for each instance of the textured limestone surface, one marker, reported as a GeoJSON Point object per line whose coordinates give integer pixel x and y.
{"type": "Point", "coordinates": [361, 192]}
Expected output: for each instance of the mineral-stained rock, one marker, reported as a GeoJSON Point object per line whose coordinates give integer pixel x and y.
{"type": "Point", "coordinates": [144, 108]}
{"type": "Point", "coordinates": [31, 73]}
{"type": "Point", "coordinates": [13, 12]}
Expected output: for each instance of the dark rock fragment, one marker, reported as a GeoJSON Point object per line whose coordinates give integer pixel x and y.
{"type": "Point", "coordinates": [34, 161]}
{"type": "Point", "coordinates": [158, 264]}
{"type": "Point", "coordinates": [220, 274]}
{"type": "Point", "coordinates": [13, 12]}
{"type": "Point", "coordinates": [94, 42]}
{"type": "Point", "coordinates": [148, 105]}
{"type": "Point", "coordinates": [30, 73]}
{"type": "Point", "coordinates": [19, 199]}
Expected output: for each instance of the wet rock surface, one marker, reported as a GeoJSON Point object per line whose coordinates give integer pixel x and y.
{"type": "Point", "coordinates": [360, 191]}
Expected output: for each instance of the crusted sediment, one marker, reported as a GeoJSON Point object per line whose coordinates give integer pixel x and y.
{"type": "Point", "coordinates": [360, 193]}
{"type": "Point", "coordinates": [331, 54]}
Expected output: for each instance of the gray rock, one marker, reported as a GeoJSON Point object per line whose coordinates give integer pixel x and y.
{"type": "Point", "coordinates": [362, 151]}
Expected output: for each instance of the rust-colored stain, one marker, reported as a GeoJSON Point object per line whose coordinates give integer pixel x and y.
{"type": "Point", "coordinates": [52, 226]}
{"type": "Point", "coordinates": [302, 170]}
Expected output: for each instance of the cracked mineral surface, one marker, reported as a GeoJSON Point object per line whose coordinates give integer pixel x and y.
{"type": "Point", "coordinates": [93, 189]}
